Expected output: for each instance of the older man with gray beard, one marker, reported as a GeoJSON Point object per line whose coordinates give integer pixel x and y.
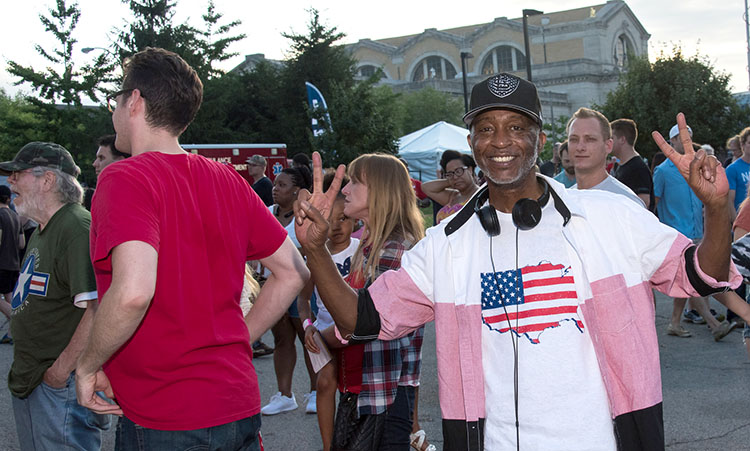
{"type": "Point", "coordinates": [53, 303]}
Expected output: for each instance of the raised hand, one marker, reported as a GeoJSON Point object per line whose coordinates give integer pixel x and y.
{"type": "Point", "coordinates": [311, 211]}
{"type": "Point", "coordinates": [703, 172]}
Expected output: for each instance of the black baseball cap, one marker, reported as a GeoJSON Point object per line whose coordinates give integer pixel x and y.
{"type": "Point", "coordinates": [505, 91]}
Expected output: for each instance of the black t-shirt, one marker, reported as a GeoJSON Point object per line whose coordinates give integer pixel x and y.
{"type": "Point", "coordinates": [263, 188]}
{"type": "Point", "coordinates": [636, 176]}
{"type": "Point", "coordinates": [549, 168]}
{"type": "Point", "coordinates": [11, 229]}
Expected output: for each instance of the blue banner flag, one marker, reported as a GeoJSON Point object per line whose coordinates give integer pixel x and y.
{"type": "Point", "coordinates": [316, 101]}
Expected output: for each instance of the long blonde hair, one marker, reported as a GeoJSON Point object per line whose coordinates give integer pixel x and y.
{"type": "Point", "coordinates": [391, 203]}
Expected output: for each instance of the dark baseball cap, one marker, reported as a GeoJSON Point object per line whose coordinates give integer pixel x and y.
{"type": "Point", "coordinates": [48, 155]}
{"type": "Point", "coordinates": [507, 92]}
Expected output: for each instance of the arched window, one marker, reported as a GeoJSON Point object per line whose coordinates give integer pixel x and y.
{"type": "Point", "coordinates": [503, 58]}
{"type": "Point", "coordinates": [622, 49]}
{"type": "Point", "coordinates": [434, 68]}
{"type": "Point", "coordinates": [366, 71]}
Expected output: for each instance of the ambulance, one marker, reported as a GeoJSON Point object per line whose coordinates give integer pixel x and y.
{"type": "Point", "coordinates": [236, 155]}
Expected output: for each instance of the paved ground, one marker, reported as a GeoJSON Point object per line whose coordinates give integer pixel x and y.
{"type": "Point", "coordinates": [706, 395]}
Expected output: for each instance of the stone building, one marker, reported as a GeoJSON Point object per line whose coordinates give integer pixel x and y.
{"type": "Point", "coordinates": [576, 55]}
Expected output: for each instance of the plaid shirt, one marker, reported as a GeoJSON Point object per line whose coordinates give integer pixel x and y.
{"type": "Point", "coordinates": [388, 364]}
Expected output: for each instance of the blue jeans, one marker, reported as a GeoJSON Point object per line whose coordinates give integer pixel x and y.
{"type": "Point", "coordinates": [398, 421]}
{"type": "Point", "coordinates": [238, 435]}
{"type": "Point", "coordinates": [51, 419]}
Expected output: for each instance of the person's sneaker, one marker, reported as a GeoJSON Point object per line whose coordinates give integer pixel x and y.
{"type": "Point", "coordinates": [693, 317]}
{"type": "Point", "coordinates": [311, 405]}
{"type": "Point", "coordinates": [260, 349]}
{"type": "Point", "coordinates": [723, 330]}
{"type": "Point", "coordinates": [278, 404]}
{"type": "Point", "coordinates": [678, 331]}
{"type": "Point", "coordinates": [719, 316]}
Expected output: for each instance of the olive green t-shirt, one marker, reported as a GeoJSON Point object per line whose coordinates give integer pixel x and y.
{"type": "Point", "coordinates": [56, 268]}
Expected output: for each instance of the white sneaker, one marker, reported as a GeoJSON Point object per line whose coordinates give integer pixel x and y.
{"type": "Point", "coordinates": [278, 404]}
{"type": "Point", "coordinates": [311, 405]}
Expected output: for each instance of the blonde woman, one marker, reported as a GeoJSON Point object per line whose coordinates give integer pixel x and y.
{"type": "Point", "coordinates": [380, 376]}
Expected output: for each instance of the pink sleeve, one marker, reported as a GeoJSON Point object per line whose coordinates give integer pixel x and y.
{"type": "Point", "coordinates": [671, 277]}
{"type": "Point", "coordinates": [402, 306]}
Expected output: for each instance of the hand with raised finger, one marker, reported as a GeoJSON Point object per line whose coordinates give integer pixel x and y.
{"type": "Point", "coordinates": [704, 174]}
{"type": "Point", "coordinates": [311, 211]}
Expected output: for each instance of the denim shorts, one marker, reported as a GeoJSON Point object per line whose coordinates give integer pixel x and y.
{"type": "Point", "coordinates": [242, 435]}
{"type": "Point", "coordinates": [51, 419]}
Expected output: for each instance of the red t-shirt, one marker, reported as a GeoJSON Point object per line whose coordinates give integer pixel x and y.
{"type": "Point", "coordinates": [417, 185]}
{"type": "Point", "coordinates": [189, 363]}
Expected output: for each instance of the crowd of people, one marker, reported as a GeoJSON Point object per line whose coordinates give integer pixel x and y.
{"type": "Point", "coordinates": [538, 277]}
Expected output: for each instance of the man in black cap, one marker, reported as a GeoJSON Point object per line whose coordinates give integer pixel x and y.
{"type": "Point", "coordinates": [541, 296]}
{"type": "Point", "coordinates": [53, 303]}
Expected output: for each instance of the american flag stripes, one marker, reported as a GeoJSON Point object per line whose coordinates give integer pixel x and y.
{"type": "Point", "coordinates": [536, 298]}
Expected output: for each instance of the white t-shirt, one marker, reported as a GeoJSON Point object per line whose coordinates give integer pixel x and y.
{"type": "Point", "coordinates": [343, 262]}
{"type": "Point", "coordinates": [613, 185]}
{"type": "Point", "coordinates": [562, 399]}
{"type": "Point", "coordinates": [289, 231]}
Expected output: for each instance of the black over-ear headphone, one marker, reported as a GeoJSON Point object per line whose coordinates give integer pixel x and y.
{"type": "Point", "coordinates": [526, 213]}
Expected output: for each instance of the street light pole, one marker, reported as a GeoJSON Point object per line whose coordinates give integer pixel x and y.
{"type": "Point", "coordinates": [464, 57]}
{"type": "Point", "coordinates": [526, 13]}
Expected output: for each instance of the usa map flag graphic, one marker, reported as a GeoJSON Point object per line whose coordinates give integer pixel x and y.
{"type": "Point", "coordinates": [543, 295]}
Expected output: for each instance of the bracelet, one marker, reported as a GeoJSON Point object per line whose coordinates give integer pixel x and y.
{"type": "Point", "coordinates": [306, 323]}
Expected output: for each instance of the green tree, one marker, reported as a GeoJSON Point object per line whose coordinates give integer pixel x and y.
{"type": "Point", "coordinates": [61, 81]}
{"type": "Point", "coordinates": [153, 25]}
{"type": "Point", "coordinates": [653, 93]}
{"type": "Point", "coordinates": [55, 111]}
{"type": "Point", "coordinates": [242, 107]}
{"type": "Point", "coordinates": [555, 131]}
{"type": "Point", "coordinates": [362, 123]}
{"type": "Point", "coordinates": [20, 123]}
{"type": "Point", "coordinates": [360, 115]}
{"type": "Point", "coordinates": [418, 109]}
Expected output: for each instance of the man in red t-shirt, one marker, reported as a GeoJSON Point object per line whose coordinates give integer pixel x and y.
{"type": "Point", "coordinates": [170, 235]}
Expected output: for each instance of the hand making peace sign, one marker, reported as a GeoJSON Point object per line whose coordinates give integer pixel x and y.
{"type": "Point", "coordinates": [704, 174]}
{"type": "Point", "coordinates": [311, 211]}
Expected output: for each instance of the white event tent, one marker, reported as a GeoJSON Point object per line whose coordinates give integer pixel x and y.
{"type": "Point", "coordinates": [422, 149]}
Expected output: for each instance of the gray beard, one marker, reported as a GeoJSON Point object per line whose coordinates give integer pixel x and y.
{"type": "Point", "coordinates": [527, 167]}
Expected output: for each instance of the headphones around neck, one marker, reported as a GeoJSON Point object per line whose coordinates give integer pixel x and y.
{"type": "Point", "coordinates": [526, 213]}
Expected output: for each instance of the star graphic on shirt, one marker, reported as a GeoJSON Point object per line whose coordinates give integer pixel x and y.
{"type": "Point", "coordinates": [29, 282]}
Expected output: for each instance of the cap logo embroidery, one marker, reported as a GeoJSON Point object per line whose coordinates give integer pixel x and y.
{"type": "Point", "coordinates": [502, 85]}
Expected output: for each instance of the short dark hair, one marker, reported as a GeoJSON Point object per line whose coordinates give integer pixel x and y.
{"type": "Point", "coordinates": [302, 159]}
{"type": "Point", "coordinates": [447, 156]}
{"type": "Point", "coordinates": [450, 155]}
{"type": "Point", "coordinates": [109, 141]}
{"type": "Point", "coordinates": [5, 194]}
{"type": "Point", "coordinates": [170, 88]}
{"type": "Point", "coordinates": [328, 179]}
{"type": "Point", "coordinates": [626, 128]}
{"type": "Point", "coordinates": [563, 147]}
